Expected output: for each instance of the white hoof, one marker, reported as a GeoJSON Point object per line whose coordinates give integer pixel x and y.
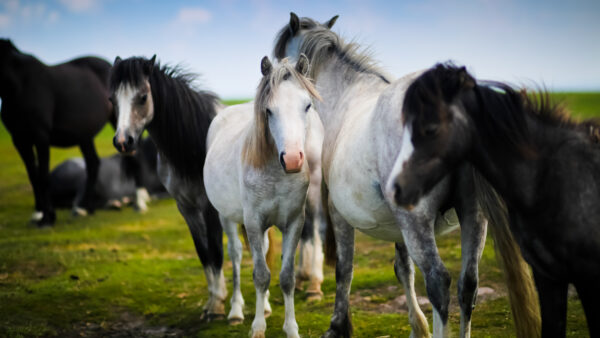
{"type": "Point", "coordinates": [36, 216]}
{"type": "Point", "coordinates": [77, 211]}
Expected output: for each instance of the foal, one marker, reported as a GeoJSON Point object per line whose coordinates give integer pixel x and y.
{"type": "Point", "coordinates": [256, 174]}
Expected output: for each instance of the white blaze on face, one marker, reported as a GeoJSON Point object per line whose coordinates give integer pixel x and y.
{"type": "Point", "coordinates": [406, 151]}
{"type": "Point", "coordinates": [124, 96]}
{"type": "Point", "coordinates": [288, 121]}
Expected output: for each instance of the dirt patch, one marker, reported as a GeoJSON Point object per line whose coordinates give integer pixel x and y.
{"type": "Point", "coordinates": [127, 325]}
{"type": "Point", "coordinates": [382, 300]}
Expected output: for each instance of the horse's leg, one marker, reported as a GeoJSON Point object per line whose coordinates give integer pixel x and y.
{"type": "Point", "coordinates": [261, 273]}
{"type": "Point", "coordinates": [92, 166]}
{"type": "Point", "coordinates": [291, 236]}
{"type": "Point", "coordinates": [405, 272]}
{"type": "Point", "coordinates": [420, 240]}
{"type": "Point", "coordinates": [43, 155]}
{"type": "Point", "coordinates": [341, 321]}
{"type": "Point", "coordinates": [266, 245]}
{"type": "Point", "coordinates": [207, 234]}
{"type": "Point", "coordinates": [473, 228]}
{"type": "Point", "coordinates": [234, 246]}
{"type": "Point", "coordinates": [553, 305]}
{"type": "Point", "coordinates": [133, 169]}
{"type": "Point", "coordinates": [310, 262]}
{"type": "Point", "coordinates": [590, 299]}
{"type": "Point", "coordinates": [25, 150]}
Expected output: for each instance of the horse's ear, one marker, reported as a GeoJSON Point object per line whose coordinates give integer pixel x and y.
{"type": "Point", "coordinates": [465, 79]}
{"type": "Point", "coordinates": [265, 66]}
{"type": "Point", "coordinates": [331, 21]}
{"type": "Point", "coordinates": [294, 23]}
{"type": "Point", "coordinates": [117, 61]}
{"type": "Point", "coordinates": [149, 65]}
{"type": "Point", "coordinates": [302, 65]}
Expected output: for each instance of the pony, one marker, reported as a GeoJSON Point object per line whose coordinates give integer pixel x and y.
{"type": "Point", "coordinates": [116, 182]}
{"type": "Point", "coordinates": [63, 105]}
{"type": "Point", "coordinates": [257, 173]}
{"type": "Point", "coordinates": [162, 100]}
{"type": "Point", "coordinates": [361, 115]}
{"type": "Point", "coordinates": [542, 167]}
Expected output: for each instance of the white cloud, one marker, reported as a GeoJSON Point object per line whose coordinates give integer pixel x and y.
{"type": "Point", "coordinates": [4, 20]}
{"type": "Point", "coordinates": [80, 6]}
{"type": "Point", "coordinates": [193, 16]}
{"type": "Point", "coordinates": [13, 12]}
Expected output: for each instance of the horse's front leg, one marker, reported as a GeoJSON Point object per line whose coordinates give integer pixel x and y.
{"type": "Point", "coordinates": [43, 154]}
{"type": "Point", "coordinates": [420, 240]}
{"type": "Point", "coordinates": [207, 234]}
{"type": "Point", "coordinates": [405, 273]}
{"type": "Point", "coordinates": [261, 273]}
{"type": "Point", "coordinates": [92, 167]}
{"type": "Point", "coordinates": [291, 237]}
{"type": "Point", "coordinates": [25, 150]}
{"type": "Point", "coordinates": [473, 228]}
{"type": "Point", "coordinates": [234, 246]}
{"type": "Point", "coordinates": [553, 304]}
{"type": "Point", "coordinates": [341, 321]}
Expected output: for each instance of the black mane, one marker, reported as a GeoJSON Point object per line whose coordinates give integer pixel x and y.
{"type": "Point", "coordinates": [182, 114]}
{"type": "Point", "coordinates": [506, 109]}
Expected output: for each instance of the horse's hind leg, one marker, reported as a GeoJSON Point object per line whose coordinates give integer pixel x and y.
{"type": "Point", "coordinates": [341, 321]}
{"type": "Point", "coordinates": [234, 247]}
{"type": "Point", "coordinates": [310, 262]}
{"type": "Point", "coordinates": [553, 303]}
{"type": "Point", "coordinates": [207, 234]}
{"type": "Point", "coordinates": [473, 228]}
{"type": "Point", "coordinates": [405, 272]}
{"type": "Point", "coordinates": [25, 150]}
{"type": "Point", "coordinates": [420, 241]}
{"type": "Point", "coordinates": [92, 166]}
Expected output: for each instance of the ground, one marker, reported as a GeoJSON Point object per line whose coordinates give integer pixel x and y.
{"type": "Point", "coordinates": [119, 273]}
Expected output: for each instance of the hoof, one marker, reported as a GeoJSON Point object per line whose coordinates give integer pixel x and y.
{"type": "Point", "coordinates": [267, 314]}
{"type": "Point", "coordinates": [235, 321]}
{"type": "Point", "coordinates": [330, 334]}
{"type": "Point", "coordinates": [36, 216]}
{"type": "Point", "coordinates": [211, 317]}
{"type": "Point", "coordinates": [314, 296]}
{"type": "Point", "coordinates": [259, 334]}
{"type": "Point", "coordinates": [79, 212]}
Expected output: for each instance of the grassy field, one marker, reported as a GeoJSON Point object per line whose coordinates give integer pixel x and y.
{"type": "Point", "coordinates": [125, 274]}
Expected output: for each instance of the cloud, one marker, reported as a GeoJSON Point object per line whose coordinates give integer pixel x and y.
{"type": "Point", "coordinates": [80, 6]}
{"type": "Point", "coordinates": [4, 20]}
{"type": "Point", "coordinates": [13, 12]}
{"type": "Point", "coordinates": [191, 16]}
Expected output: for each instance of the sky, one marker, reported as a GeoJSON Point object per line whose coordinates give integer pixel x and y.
{"type": "Point", "coordinates": [551, 43]}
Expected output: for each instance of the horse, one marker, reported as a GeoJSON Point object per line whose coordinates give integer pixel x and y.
{"type": "Point", "coordinates": [256, 174]}
{"type": "Point", "coordinates": [116, 184]}
{"type": "Point", "coordinates": [63, 106]}
{"type": "Point", "coordinates": [361, 115]}
{"type": "Point", "coordinates": [162, 100]}
{"type": "Point", "coordinates": [542, 167]}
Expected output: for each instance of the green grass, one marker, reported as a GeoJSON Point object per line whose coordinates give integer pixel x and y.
{"type": "Point", "coordinates": [130, 274]}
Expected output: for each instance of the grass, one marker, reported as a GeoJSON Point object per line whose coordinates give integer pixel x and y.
{"type": "Point", "coordinates": [121, 273]}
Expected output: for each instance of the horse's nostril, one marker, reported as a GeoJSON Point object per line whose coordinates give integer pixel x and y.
{"type": "Point", "coordinates": [281, 159]}
{"type": "Point", "coordinates": [397, 192]}
{"type": "Point", "coordinates": [129, 140]}
{"type": "Point", "coordinates": [115, 142]}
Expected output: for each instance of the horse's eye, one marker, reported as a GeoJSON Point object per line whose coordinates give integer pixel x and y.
{"type": "Point", "coordinates": [307, 108]}
{"type": "Point", "coordinates": [269, 112]}
{"type": "Point", "coordinates": [143, 99]}
{"type": "Point", "coordinates": [430, 130]}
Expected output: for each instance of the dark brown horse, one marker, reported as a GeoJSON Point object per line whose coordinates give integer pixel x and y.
{"type": "Point", "coordinates": [64, 105]}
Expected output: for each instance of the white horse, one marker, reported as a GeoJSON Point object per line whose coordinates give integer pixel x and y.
{"type": "Point", "coordinates": [256, 174]}
{"type": "Point", "coordinates": [361, 114]}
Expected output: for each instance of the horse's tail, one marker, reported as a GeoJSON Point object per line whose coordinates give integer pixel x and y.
{"type": "Point", "coordinates": [329, 243]}
{"type": "Point", "coordinates": [521, 289]}
{"type": "Point", "coordinates": [270, 256]}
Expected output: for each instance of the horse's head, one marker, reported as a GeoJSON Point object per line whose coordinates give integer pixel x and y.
{"type": "Point", "coordinates": [435, 136]}
{"type": "Point", "coordinates": [289, 39]}
{"type": "Point", "coordinates": [131, 95]}
{"type": "Point", "coordinates": [283, 100]}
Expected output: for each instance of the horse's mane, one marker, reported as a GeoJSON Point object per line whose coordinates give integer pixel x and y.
{"type": "Point", "coordinates": [182, 114]}
{"type": "Point", "coordinates": [320, 43]}
{"type": "Point", "coordinates": [506, 107]}
{"type": "Point", "coordinates": [259, 148]}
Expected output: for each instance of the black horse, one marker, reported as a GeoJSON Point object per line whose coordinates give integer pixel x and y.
{"type": "Point", "coordinates": [64, 105]}
{"type": "Point", "coordinates": [116, 180]}
{"type": "Point", "coordinates": [543, 165]}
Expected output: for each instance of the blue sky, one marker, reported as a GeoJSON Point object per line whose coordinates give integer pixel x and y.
{"type": "Point", "coordinates": [556, 43]}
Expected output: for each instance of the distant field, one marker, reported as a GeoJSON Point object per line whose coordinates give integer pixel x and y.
{"type": "Point", "coordinates": [124, 274]}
